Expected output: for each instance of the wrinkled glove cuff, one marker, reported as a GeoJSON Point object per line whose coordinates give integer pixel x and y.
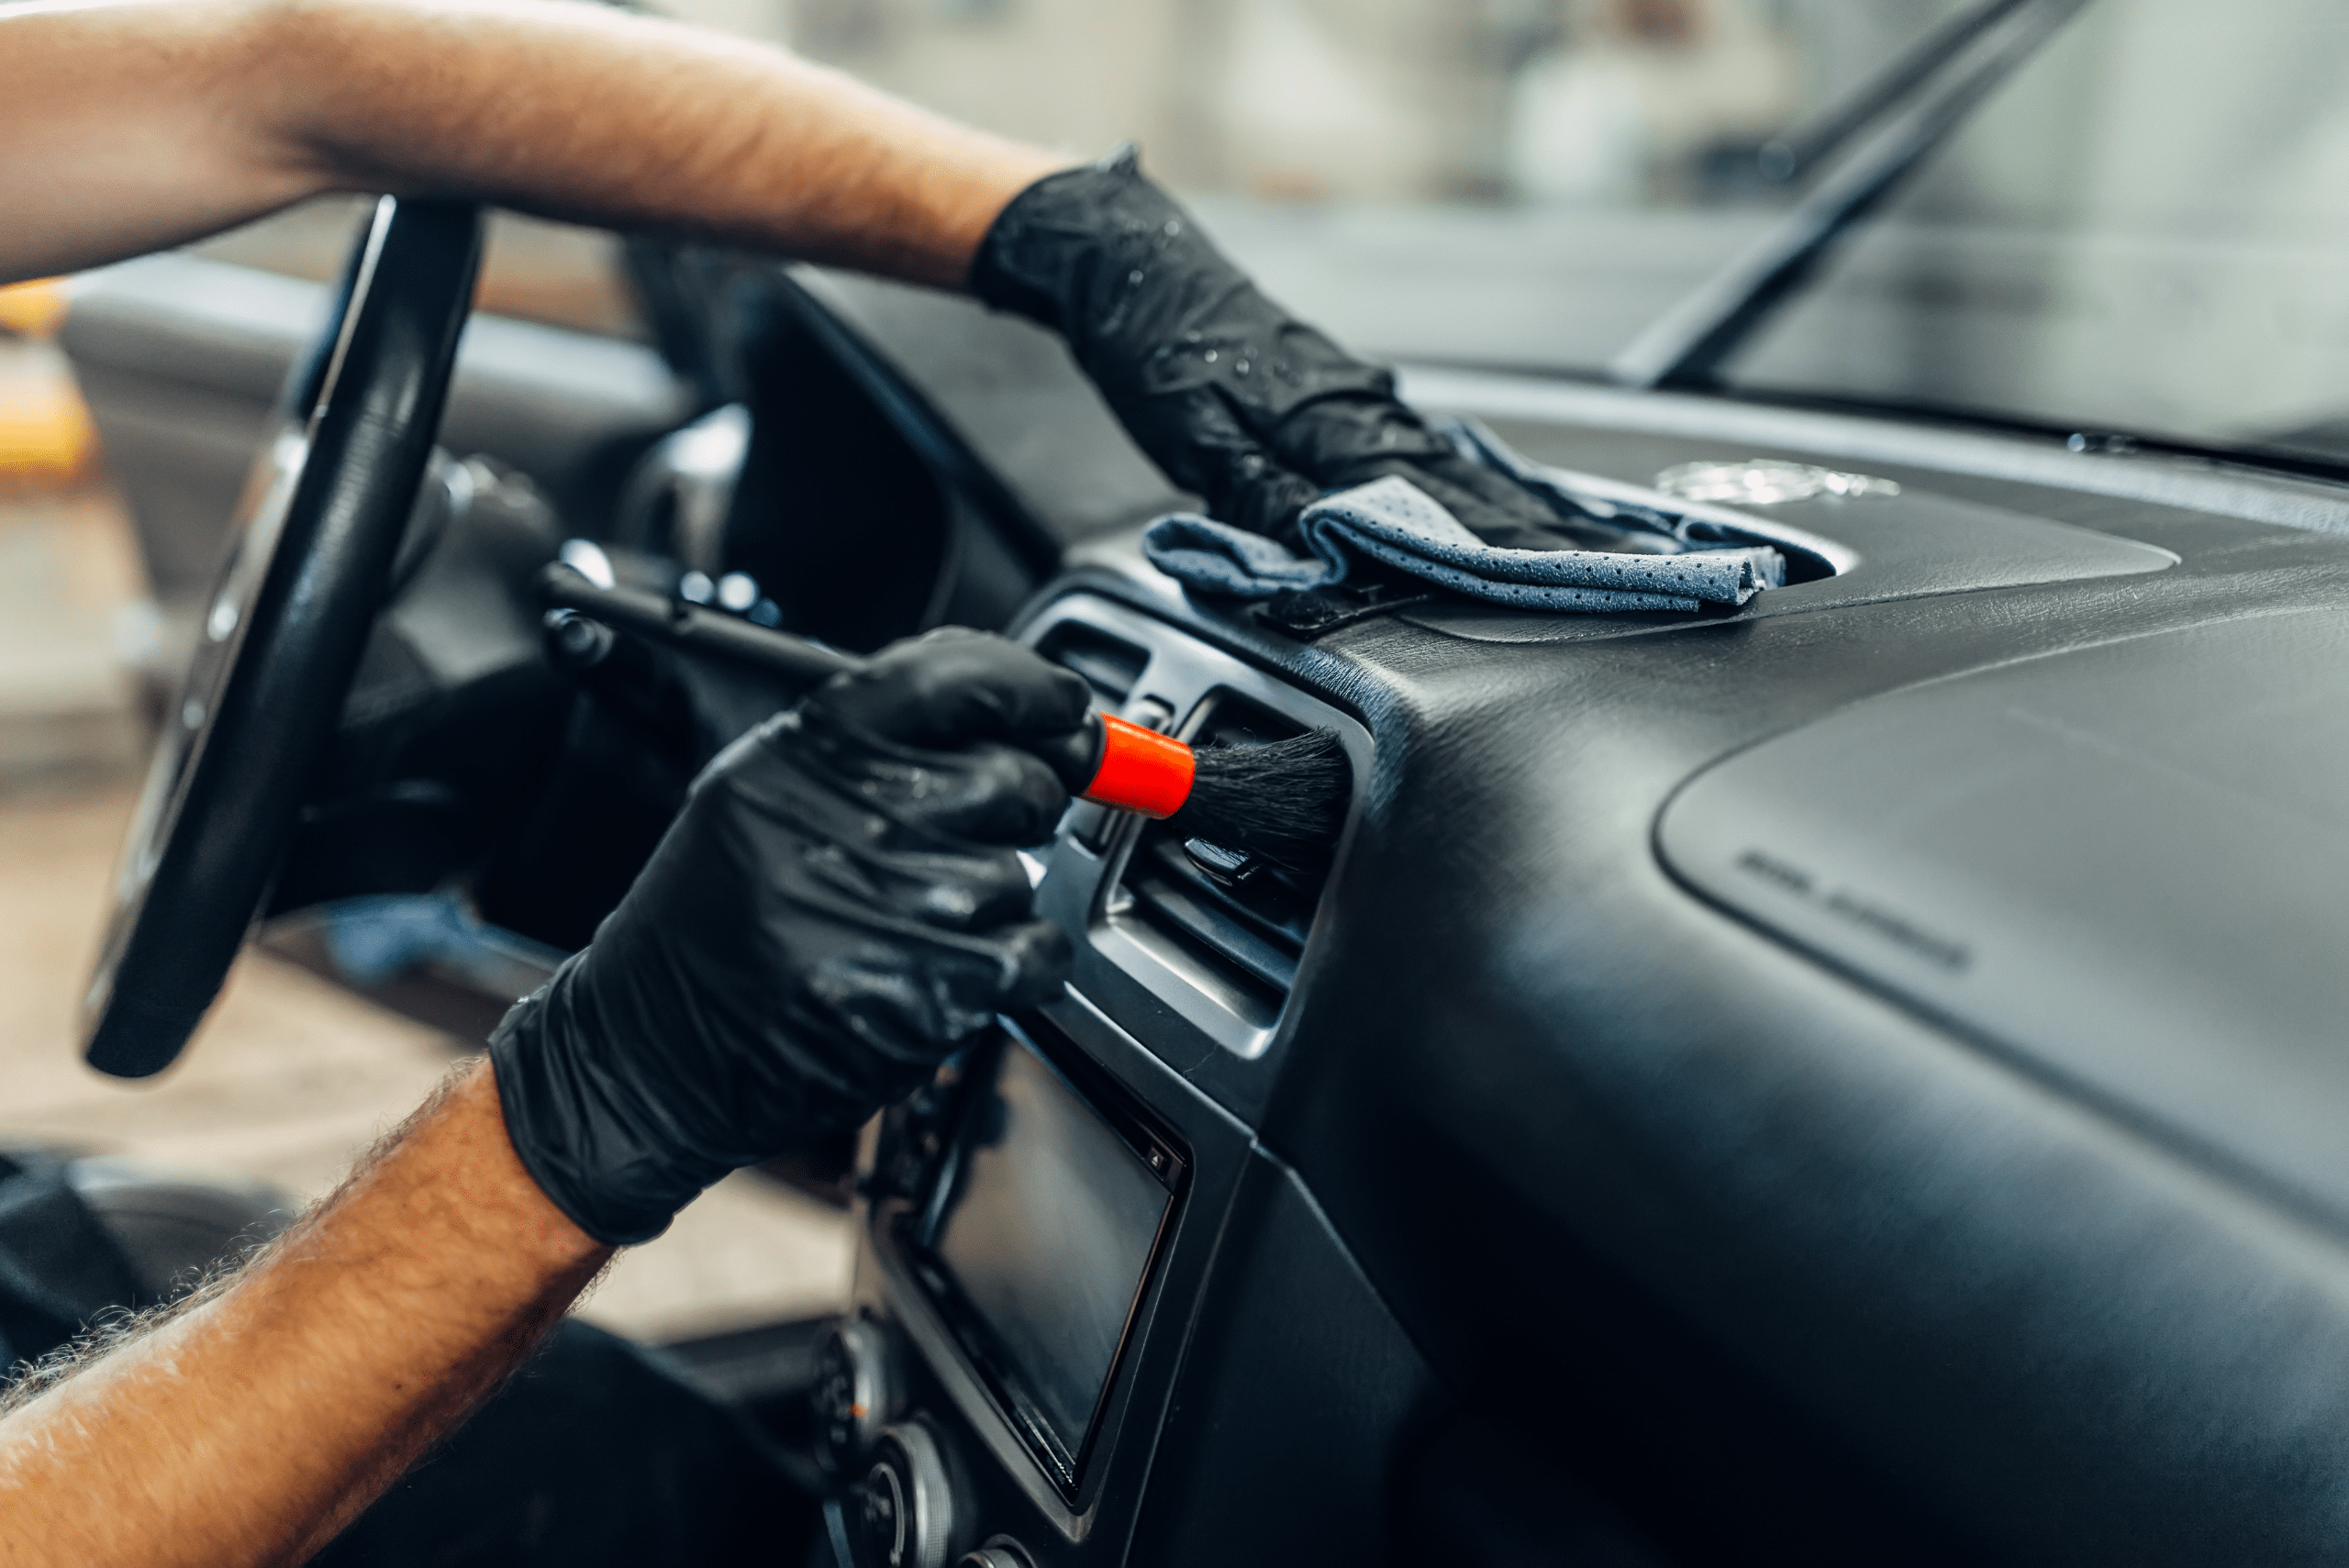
{"type": "Point", "coordinates": [1027, 261]}
{"type": "Point", "coordinates": [579, 1133]}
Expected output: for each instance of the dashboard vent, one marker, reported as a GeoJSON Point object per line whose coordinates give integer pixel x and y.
{"type": "Point", "coordinates": [1245, 917]}
{"type": "Point", "coordinates": [1110, 665]}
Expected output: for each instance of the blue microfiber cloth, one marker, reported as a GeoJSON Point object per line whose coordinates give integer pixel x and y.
{"type": "Point", "coordinates": [1690, 554]}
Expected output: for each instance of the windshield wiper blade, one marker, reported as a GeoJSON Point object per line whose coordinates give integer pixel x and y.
{"type": "Point", "coordinates": [1686, 346]}
{"type": "Point", "coordinates": [1784, 159]}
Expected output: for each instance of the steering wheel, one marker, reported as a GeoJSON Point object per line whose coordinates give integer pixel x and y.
{"type": "Point", "coordinates": [309, 566]}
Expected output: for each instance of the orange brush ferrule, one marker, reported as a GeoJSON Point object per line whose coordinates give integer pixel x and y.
{"type": "Point", "coordinates": [1140, 769]}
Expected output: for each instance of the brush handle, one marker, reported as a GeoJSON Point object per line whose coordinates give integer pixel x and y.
{"type": "Point", "coordinates": [1106, 760]}
{"type": "Point", "coordinates": [1139, 769]}
{"type": "Point", "coordinates": [794, 659]}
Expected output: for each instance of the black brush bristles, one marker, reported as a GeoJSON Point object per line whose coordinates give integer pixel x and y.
{"type": "Point", "coordinates": [1285, 800]}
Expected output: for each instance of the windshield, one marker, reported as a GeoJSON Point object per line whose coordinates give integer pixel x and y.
{"type": "Point", "coordinates": [1517, 181]}
{"type": "Point", "coordinates": [2145, 231]}
{"type": "Point", "coordinates": [2141, 231]}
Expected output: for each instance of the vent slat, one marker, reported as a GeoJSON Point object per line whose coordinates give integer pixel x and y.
{"type": "Point", "coordinates": [1108, 664]}
{"type": "Point", "coordinates": [1256, 932]}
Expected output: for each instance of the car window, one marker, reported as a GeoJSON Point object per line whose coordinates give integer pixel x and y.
{"type": "Point", "coordinates": [2145, 231]}
{"type": "Point", "coordinates": [1515, 181]}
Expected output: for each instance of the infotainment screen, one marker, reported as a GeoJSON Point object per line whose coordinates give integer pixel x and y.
{"type": "Point", "coordinates": [1040, 1240]}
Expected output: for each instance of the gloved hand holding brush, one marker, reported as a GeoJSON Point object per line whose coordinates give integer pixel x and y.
{"type": "Point", "coordinates": [1230, 394]}
{"type": "Point", "coordinates": [837, 909]}
{"type": "Point", "coordinates": [1283, 801]}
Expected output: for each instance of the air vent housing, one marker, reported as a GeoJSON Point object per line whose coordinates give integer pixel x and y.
{"type": "Point", "coordinates": [1110, 665]}
{"type": "Point", "coordinates": [1245, 914]}
{"type": "Point", "coordinates": [1178, 939]}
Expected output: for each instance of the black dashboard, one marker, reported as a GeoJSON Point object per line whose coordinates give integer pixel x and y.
{"type": "Point", "coordinates": [1852, 1079]}
{"type": "Point", "coordinates": [1848, 1080]}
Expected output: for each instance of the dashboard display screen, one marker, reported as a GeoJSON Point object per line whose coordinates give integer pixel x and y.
{"type": "Point", "coordinates": [1043, 1226]}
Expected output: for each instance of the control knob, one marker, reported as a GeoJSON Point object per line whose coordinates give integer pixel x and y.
{"type": "Point", "coordinates": [1001, 1552]}
{"type": "Point", "coordinates": [905, 1509]}
{"type": "Point", "coordinates": [855, 1391]}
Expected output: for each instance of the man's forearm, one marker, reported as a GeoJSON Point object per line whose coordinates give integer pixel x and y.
{"type": "Point", "coordinates": [252, 1427]}
{"type": "Point", "coordinates": [129, 125]}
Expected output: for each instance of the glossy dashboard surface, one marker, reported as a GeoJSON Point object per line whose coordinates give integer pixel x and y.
{"type": "Point", "coordinates": [1778, 1251]}
{"type": "Point", "coordinates": [1909, 1250]}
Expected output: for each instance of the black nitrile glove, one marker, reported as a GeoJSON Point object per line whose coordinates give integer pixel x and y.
{"type": "Point", "coordinates": [837, 909]}
{"type": "Point", "coordinates": [1234, 397]}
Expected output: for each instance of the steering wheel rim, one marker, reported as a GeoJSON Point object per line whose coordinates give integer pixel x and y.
{"type": "Point", "coordinates": [309, 566]}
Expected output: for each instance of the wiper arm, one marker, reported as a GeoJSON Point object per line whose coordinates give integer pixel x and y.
{"type": "Point", "coordinates": [1687, 344]}
{"type": "Point", "coordinates": [1785, 160]}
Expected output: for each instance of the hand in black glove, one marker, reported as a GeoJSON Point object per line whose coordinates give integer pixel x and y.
{"type": "Point", "coordinates": [1235, 398]}
{"type": "Point", "coordinates": [836, 911]}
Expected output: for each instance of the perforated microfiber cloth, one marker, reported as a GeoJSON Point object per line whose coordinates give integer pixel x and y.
{"type": "Point", "coordinates": [1682, 556]}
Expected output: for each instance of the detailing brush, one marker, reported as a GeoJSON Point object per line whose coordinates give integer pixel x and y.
{"type": "Point", "coordinates": [1282, 801]}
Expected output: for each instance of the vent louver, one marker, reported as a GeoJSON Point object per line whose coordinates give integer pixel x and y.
{"type": "Point", "coordinates": [1216, 938]}
{"type": "Point", "coordinates": [1246, 916]}
{"type": "Point", "coordinates": [1109, 665]}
